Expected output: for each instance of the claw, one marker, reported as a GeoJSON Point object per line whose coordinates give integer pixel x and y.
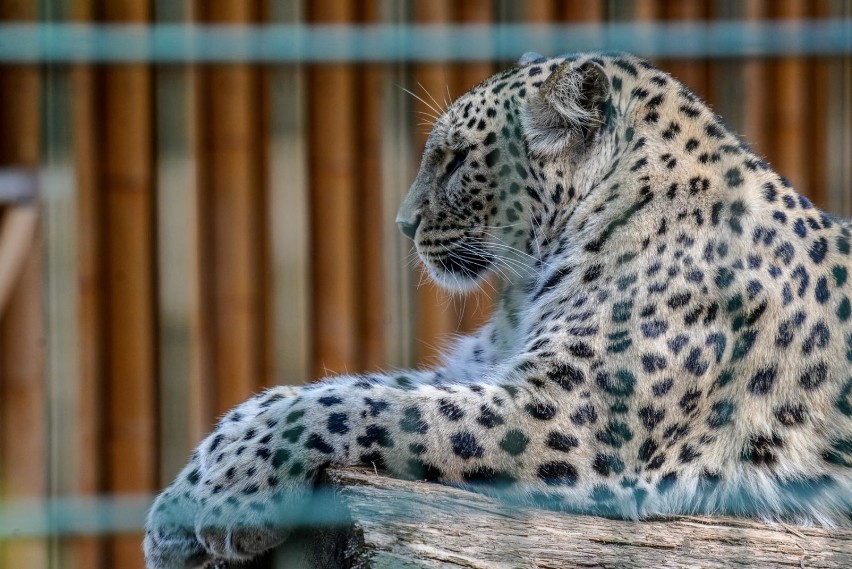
{"type": "Point", "coordinates": [177, 551]}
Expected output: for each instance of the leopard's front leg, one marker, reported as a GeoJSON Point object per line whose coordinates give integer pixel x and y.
{"type": "Point", "coordinates": [473, 432]}
{"type": "Point", "coordinates": [171, 538]}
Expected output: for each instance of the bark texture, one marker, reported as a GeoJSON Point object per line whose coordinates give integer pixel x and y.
{"type": "Point", "coordinates": [403, 524]}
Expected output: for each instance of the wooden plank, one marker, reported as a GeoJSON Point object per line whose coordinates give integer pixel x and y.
{"type": "Point", "coordinates": [397, 523]}
{"type": "Point", "coordinates": [477, 306]}
{"type": "Point", "coordinates": [436, 316]}
{"type": "Point", "coordinates": [231, 200]}
{"type": "Point", "coordinates": [333, 166]}
{"type": "Point", "coordinates": [23, 396]}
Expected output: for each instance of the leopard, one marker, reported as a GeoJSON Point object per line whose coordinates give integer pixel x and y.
{"type": "Point", "coordinates": [673, 332]}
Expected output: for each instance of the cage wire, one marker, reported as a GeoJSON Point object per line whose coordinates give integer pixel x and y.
{"type": "Point", "coordinates": [56, 44]}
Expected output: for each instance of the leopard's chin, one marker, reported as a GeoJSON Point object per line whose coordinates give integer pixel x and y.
{"type": "Point", "coordinates": [460, 270]}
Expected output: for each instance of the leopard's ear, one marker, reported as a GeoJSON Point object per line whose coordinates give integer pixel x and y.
{"type": "Point", "coordinates": [568, 109]}
{"type": "Point", "coordinates": [529, 58]}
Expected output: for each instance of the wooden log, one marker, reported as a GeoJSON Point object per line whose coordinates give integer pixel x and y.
{"type": "Point", "coordinates": [396, 523]}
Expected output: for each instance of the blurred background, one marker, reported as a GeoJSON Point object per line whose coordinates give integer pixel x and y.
{"type": "Point", "coordinates": [181, 228]}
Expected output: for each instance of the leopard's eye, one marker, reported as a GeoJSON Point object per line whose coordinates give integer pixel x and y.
{"type": "Point", "coordinates": [458, 159]}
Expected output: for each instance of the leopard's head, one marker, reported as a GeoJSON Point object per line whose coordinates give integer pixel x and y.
{"type": "Point", "coordinates": [493, 180]}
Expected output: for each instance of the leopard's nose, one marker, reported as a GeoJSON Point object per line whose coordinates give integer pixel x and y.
{"type": "Point", "coordinates": [408, 227]}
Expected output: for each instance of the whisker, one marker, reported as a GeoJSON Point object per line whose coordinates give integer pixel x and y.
{"type": "Point", "coordinates": [420, 99]}
{"type": "Point", "coordinates": [431, 97]}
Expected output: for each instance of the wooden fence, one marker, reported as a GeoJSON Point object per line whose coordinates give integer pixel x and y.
{"type": "Point", "coordinates": [209, 230]}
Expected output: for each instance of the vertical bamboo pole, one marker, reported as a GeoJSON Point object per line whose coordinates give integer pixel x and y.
{"type": "Point", "coordinates": [435, 316]}
{"type": "Point", "coordinates": [89, 552]}
{"type": "Point", "coordinates": [23, 403]}
{"type": "Point", "coordinates": [582, 11]}
{"type": "Point", "coordinates": [290, 334]}
{"type": "Point", "coordinates": [839, 129]}
{"type": "Point", "coordinates": [372, 217]}
{"type": "Point", "coordinates": [756, 121]}
{"type": "Point", "coordinates": [185, 399]}
{"type": "Point", "coordinates": [640, 11]}
{"type": "Point", "coordinates": [230, 206]}
{"type": "Point", "coordinates": [476, 306]}
{"type": "Point", "coordinates": [332, 171]}
{"type": "Point", "coordinates": [694, 73]}
{"type": "Point", "coordinates": [540, 12]}
{"type": "Point", "coordinates": [816, 124]}
{"type": "Point", "coordinates": [126, 184]}
{"type": "Point", "coordinates": [789, 102]}
{"type": "Point", "coordinates": [398, 169]}
{"type": "Point", "coordinates": [24, 425]}
{"type": "Point", "coordinates": [262, 234]}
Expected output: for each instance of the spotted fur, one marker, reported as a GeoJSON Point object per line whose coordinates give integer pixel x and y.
{"type": "Point", "coordinates": [673, 333]}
